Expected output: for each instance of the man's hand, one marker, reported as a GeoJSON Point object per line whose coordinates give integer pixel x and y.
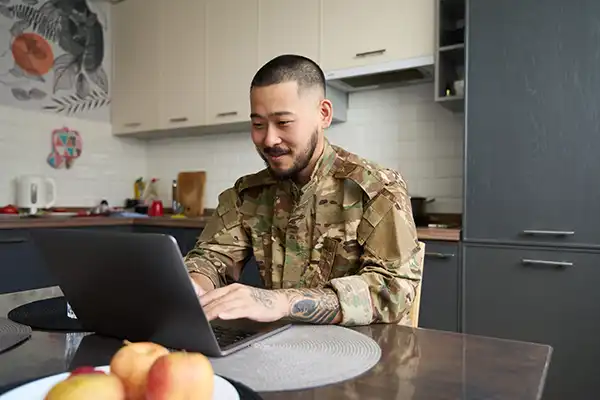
{"type": "Point", "coordinates": [240, 301]}
{"type": "Point", "coordinates": [201, 284]}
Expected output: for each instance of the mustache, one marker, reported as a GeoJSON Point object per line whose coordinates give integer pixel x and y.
{"type": "Point", "coordinates": [275, 151]}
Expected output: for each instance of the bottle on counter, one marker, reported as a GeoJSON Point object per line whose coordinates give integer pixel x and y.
{"type": "Point", "coordinates": [174, 202]}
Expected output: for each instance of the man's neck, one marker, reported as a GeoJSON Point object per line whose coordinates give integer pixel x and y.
{"type": "Point", "coordinates": [303, 177]}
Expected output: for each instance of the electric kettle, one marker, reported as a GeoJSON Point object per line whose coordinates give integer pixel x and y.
{"type": "Point", "coordinates": [35, 192]}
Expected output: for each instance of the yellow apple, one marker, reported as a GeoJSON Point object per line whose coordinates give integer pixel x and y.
{"type": "Point", "coordinates": [88, 386]}
{"type": "Point", "coordinates": [180, 376]}
{"type": "Point", "coordinates": [131, 364]}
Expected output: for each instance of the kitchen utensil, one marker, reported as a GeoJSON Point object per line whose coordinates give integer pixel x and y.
{"type": "Point", "coordinates": [419, 209]}
{"type": "Point", "coordinates": [156, 209]}
{"type": "Point", "coordinates": [35, 192]}
{"type": "Point", "coordinates": [190, 192]}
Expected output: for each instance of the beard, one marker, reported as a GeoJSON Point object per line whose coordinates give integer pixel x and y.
{"type": "Point", "coordinates": [300, 161]}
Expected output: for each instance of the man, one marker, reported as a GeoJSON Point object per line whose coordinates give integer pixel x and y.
{"type": "Point", "coordinates": [333, 234]}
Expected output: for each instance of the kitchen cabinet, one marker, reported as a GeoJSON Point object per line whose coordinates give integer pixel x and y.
{"type": "Point", "coordinates": [135, 72]}
{"type": "Point", "coordinates": [21, 267]}
{"type": "Point", "coordinates": [357, 33]}
{"type": "Point", "coordinates": [539, 295]}
{"type": "Point", "coordinates": [289, 27]}
{"type": "Point", "coordinates": [182, 47]}
{"type": "Point", "coordinates": [186, 237]}
{"type": "Point", "coordinates": [440, 293]}
{"type": "Point", "coordinates": [232, 58]}
{"type": "Point", "coordinates": [532, 145]}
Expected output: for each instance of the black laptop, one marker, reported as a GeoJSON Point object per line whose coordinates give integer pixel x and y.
{"type": "Point", "coordinates": [135, 286]}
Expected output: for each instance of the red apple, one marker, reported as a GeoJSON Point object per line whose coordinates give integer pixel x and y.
{"type": "Point", "coordinates": [131, 364]}
{"type": "Point", "coordinates": [85, 370]}
{"type": "Point", "coordinates": [88, 386]}
{"type": "Point", "coordinates": [180, 376]}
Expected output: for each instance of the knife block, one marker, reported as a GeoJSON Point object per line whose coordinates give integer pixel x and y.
{"type": "Point", "coordinates": [190, 192]}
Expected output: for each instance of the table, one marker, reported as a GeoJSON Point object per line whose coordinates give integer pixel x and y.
{"type": "Point", "coordinates": [416, 364]}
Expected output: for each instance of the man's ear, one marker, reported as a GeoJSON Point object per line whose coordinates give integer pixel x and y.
{"type": "Point", "coordinates": [325, 113]}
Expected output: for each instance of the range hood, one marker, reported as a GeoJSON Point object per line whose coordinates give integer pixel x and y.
{"type": "Point", "coordinates": [383, 75]}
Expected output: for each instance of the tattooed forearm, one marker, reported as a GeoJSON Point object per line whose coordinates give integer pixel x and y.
{"type": "Point", "coordinates": [317, 306]}
{"type": "Point", "coordinates": [265, 298]}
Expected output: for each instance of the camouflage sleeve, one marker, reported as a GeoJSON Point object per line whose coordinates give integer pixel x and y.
{"type": "Point", "coordinates": [223, 245]}
{"type": "Point", "coordinates": [391, 265]}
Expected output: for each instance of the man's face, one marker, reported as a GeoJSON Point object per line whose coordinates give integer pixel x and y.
{"type": "Point", "coordinates": [287, 126]}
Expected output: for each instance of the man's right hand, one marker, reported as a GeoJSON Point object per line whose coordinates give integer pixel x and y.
{"type": "Point", "coordinates": [201, 284]}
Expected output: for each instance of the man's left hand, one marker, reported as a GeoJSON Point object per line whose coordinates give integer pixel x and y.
{"type": "Point", "coordinates": [240, 301]}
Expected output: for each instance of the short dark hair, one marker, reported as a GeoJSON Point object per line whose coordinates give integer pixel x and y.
{"type": "Point", "coordinates": [290, 67]}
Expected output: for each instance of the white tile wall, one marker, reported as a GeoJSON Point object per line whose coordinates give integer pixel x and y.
{"type": "Point", "coordinates": [400, 128]}
{"type": "Point", "coordinates": [106, 169]}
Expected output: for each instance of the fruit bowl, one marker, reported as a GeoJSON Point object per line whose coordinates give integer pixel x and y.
{"type": "Point", "coordinates": [38, 389]}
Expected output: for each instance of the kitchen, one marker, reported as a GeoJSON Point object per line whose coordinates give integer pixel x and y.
{"type": "Point", "coordinates": [517, 233]}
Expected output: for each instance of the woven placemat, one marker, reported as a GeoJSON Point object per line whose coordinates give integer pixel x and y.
{"type": "Point", "coordinates": [46, 315]}
{"type": "Point", "coordinates": [301, 357]}
{"type": "Point", "coordinates": [12, 334]}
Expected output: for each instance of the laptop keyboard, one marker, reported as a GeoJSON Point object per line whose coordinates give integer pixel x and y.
{"type": "Point", "coordinates": [228, 336]}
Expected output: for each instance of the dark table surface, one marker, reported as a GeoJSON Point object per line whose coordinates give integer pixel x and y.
{"type": "Point", "coordinates": [416, 364]}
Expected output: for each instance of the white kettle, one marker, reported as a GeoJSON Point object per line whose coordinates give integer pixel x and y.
{"type": "Point", "coordinates": [35, 192]}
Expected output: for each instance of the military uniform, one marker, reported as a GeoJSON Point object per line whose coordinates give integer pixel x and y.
{"type": "Point", "coordinates": [350, 228]}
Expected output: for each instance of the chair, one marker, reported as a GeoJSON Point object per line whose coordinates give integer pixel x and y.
{"type": "Point", "coordinates": [416, 305]}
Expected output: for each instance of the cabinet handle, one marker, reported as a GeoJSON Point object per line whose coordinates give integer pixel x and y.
{"type": "Point", "coordinates": [227, 114]}
{"type": "Point", "coordinates": [443, 256]}
{"type": "Point", "coordinates": [370, 53]}
{"type": "Point", "coordinates": [526, 261]}
{"type": "Point", "coordinates": [13, 240]}
{"type": "Point", "coordinates": [132, 124]}
{"type": "Point", "coordinates": [180, 119]}
{"type": "Point", "coordinates": [548, 233]}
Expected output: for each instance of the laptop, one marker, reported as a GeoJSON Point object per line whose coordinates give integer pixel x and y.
{"type": "Point", "coordinates": [135, 286]}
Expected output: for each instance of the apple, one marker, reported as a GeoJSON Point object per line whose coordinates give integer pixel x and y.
{"type": "Point", "coordinates": [85, 370]}
{"type": "Point", "coordinates": [88, 386]}
{"type": "Point", "coordinates": [131, 364]}
{"type": "Point", "coordinates": [180, 376]}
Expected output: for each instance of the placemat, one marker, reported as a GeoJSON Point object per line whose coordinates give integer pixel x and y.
{"type": "Point", "coordinates": [301, 357]}
{"type": "Point", "coordinates": [46, 315]}
{"type": "Point", "coordinates": [12, 334]}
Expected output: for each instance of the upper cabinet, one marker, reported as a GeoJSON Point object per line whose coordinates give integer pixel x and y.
{"type": "Point", "coordinates": [358, 32]}
{"type": "Point", "coordinates": [232, 58]}
{"type": "Point", "coordinates": [182, 49]}
{"type": "Point", "coordinates": [289, 27]}
{"type": "Point", "coordinates": [134, 86]}
{"type": "Point", "coordinates": [189, 63]}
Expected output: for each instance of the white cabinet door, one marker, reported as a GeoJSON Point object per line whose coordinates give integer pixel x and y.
{"type": "Point", "coordinates": [134, 89]}
{"type": "Point", "coordinates": [358, 32]}
{"type": "Point", "coordinates": [182, 63]}
{"type": "Point", "coordinates": [289, 26]}
{"type": "Point", "coordinates": [232, 59]}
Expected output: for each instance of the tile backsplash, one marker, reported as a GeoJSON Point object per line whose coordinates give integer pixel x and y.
{"type": "Point", "coordinates": [401, 128]}
{"type": "Point", "coordinates": [106, 168]}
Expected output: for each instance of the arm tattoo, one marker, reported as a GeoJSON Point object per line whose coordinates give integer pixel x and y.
{"type": "Point", "coordinates": [317, 306]}
{"type": "Point", "coordinates": [263, 297]}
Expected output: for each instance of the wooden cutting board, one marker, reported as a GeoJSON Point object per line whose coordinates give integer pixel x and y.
{"type": "Point", "coordinates": [190, 192]}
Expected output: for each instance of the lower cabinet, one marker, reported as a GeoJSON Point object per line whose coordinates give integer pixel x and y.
{"type": "Point", "coordinates": [440, 293]}
{"type": "Point", "coordinates": [547, 296]}
{"type": "Point", "coordinates": [21, 267]}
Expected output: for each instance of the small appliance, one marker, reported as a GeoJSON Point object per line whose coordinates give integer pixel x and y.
{"type": "Point", "coordinates": [35, 192]}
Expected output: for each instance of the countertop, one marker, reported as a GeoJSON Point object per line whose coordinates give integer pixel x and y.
{"type": "Point", "coordinates": [415, 364]}
{"type": "Point", "coordinates": [443, 234]}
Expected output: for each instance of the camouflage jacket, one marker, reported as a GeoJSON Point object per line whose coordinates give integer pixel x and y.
{"type": "Point", "coordinates": [349, 229]}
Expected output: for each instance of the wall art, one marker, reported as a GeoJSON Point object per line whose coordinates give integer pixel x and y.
{"type": "Point", "coordinates": [67, 146]}
{"type": "Point", "coordinates": [56, 56]}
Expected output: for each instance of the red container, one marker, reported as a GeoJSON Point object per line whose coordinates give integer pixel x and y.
{"type": "Point", "coordinates": [156, 209]}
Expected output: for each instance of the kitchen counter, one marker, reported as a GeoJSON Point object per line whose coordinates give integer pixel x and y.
{"type": "Point", "coordinates": [443, 234]}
